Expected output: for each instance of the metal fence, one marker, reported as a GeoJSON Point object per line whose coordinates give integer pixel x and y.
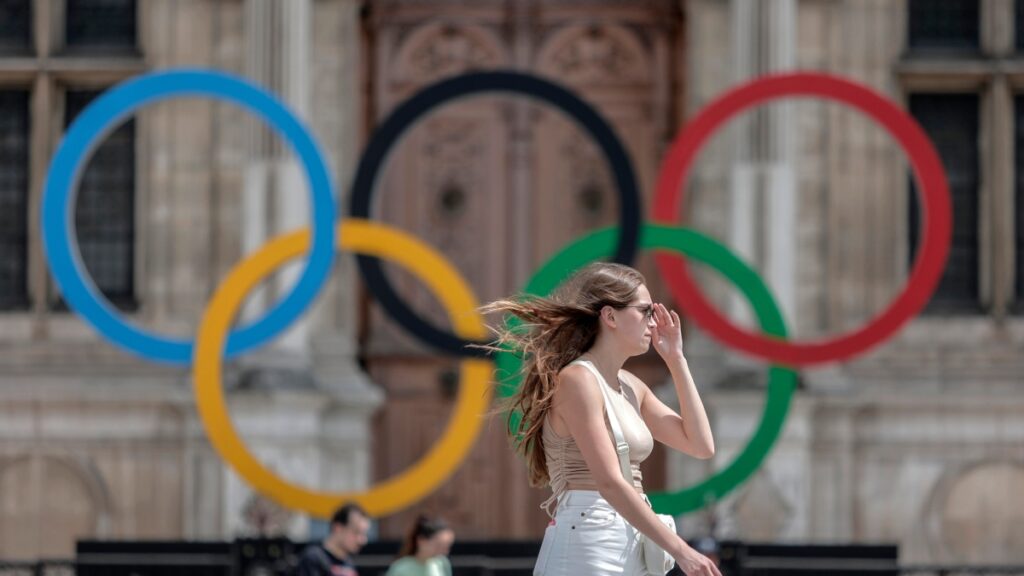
{"type": "Point", "coordinates": [470, 563]}
{"type": "Point", "coordinates": [491, 566]}
{"type": "Point", "coordinates": [899, 570]}
{"type": "Point", "coordinates": [42, 568]}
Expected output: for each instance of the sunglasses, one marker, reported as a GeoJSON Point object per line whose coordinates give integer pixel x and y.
{"type": "Point", "coordinates": [646, 309]}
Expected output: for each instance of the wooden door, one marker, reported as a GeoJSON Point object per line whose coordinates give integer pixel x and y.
{"type": "Point", "coordinates": [499, 184]}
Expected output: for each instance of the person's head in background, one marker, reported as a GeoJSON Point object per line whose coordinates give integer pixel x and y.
{"type": "Point", "coordinates": [350, 525]}
{"type": "Point", "coordinates": [428, 537]}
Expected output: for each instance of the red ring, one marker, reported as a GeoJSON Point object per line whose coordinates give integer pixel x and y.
{"type": "Point", "coordinates": [928, 171]}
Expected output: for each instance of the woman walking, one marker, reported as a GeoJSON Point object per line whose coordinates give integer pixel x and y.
{"type": "Point", "coordinates": [576, 400]}
{"type": "Point", "coordinates": [425, 549]}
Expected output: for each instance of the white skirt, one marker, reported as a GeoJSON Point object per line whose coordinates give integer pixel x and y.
{"type": "Point", "coordinates": [587, 536]}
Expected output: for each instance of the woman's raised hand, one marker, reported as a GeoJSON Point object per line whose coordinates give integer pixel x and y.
{"type": "Point", "coordinates": [667, 334]}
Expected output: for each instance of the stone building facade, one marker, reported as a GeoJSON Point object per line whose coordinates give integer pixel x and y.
{"type": "Point", "coordinates": [95, 442]}
{"type": "Point", "coordinates": [916, 443]}
{"type": "Point", "coordinates": [919, 442]}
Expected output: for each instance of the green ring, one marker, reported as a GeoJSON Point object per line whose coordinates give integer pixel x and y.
{"type": "Point", "coordinates": [782, 381]}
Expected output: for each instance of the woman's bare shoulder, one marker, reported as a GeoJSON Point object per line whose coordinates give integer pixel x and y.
{"type": "Point", "coordinates": [576, 382]}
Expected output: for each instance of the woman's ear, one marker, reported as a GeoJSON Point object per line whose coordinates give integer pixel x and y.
{"type": "Point", "coordinates": [608, 316]}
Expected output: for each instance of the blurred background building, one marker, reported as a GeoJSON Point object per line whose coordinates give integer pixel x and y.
{"type": "Point", "coordinates": [920, 442]}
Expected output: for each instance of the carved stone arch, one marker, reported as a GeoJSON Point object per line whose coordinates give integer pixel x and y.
{"type": "Point", "coordinates": [93, 479]}
{"type": "Point", "coordinates": [441, 49]}
{"type": "Point", "coordinates": [48, 502]}
{"type": "Point", "coordinates": [972, 509]}
{"type": "Point", "coordinates": [595, 54]}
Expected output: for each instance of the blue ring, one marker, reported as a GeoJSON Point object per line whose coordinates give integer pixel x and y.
{"type": "Point", "coordinates": [58, 208]}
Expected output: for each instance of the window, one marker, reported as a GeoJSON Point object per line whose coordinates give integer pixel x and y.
{"type": "Point", "coordinates": [54, 52]}
{"type": "Point", "coordinates": [15, 26]}
{"type": "Point", "coordinates": [104, 212]}
{"type": "Point", "coordinates": [945, 25]}
{"type": "Point", "coordinates": [964, 73]}
{"type": "Point", "coordinates": [951, 121]}
{"type": "Point", "coordinates": [1018, 22]}
{"type": "Point", "coordinates": [100, 24]}
{"type": "Point", "coordinates": [13, 200]}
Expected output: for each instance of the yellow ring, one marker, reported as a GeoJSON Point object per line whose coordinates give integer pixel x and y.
{"type": "Point", "coordinates": [431, 470]}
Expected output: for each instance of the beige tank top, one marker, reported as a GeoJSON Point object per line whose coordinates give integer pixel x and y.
{"type": "Point", "coordinates": [566, 467]}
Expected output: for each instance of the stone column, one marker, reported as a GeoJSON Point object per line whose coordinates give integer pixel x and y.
{"type": "Point", "coordinates": [254, 231]}
{"type": "Point", "coordinates": [345, 425]}
{"type": "Point", "coordinates": [277, 198]}
{"type": "Point", "coordinates": [998, 255]}
{"type": "Point", "coordinates": [303, 405]}
{"type": "Point", "coordinates": [761, 227]}
{"type": "Point", "coordinates": [763, 184]}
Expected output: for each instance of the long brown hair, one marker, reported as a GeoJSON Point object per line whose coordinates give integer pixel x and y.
{"type": "Point", "coordinates": [555, 331]}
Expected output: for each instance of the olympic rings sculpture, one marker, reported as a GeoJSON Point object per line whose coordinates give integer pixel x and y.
{"type": "Point", "coordinates": [216, 341]}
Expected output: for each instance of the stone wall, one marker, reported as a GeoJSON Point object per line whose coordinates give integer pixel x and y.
{"type": "Point", "coordinates": [96, 443]}
{"type": "Point", "coordinates": [916, 442]}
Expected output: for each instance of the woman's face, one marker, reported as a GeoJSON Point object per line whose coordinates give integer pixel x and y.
{"type": "Point", "coordinates": [633, 323]}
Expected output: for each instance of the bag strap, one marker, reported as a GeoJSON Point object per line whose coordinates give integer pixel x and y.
{"type": "Point", "coordinates": [621, 447]}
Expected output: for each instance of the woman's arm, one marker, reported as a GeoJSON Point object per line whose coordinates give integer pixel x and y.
{"type": "Point", "coordinates": [689, 433]}
{"type": "Point", "coordinates": [580, 404]}
{"type": "Point", "coordinates": [689, 430]}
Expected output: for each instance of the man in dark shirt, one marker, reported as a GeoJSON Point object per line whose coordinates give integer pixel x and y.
{"type": "Point", "coordinates": [333, 556]}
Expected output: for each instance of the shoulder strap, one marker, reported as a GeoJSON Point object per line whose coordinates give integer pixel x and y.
{"type": "Point", "coordinates": [621, 447]}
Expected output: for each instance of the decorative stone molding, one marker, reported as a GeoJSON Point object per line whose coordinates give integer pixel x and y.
{"type": "Point", "coordinates": [595, 54]}
{"type": "Point", "coordinates": [586, 181]}
{"type": "Point", "coordinates": [61, 475]}
{"type": "Point", "coordinates": [437, 50]}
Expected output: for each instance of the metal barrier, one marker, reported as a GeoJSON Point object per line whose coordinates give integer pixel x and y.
{"type": "Point", "coordinates": [807, 569]}
{"type": "Point", "coordinates": [481, 565]}
{"type": "Point", "coordinates": [276, 557]}
{"type": "Point", "coordinates": [41, 568]}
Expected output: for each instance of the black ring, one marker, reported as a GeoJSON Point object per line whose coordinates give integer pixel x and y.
{"type": "Point", "coordinates": [390, 131]}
